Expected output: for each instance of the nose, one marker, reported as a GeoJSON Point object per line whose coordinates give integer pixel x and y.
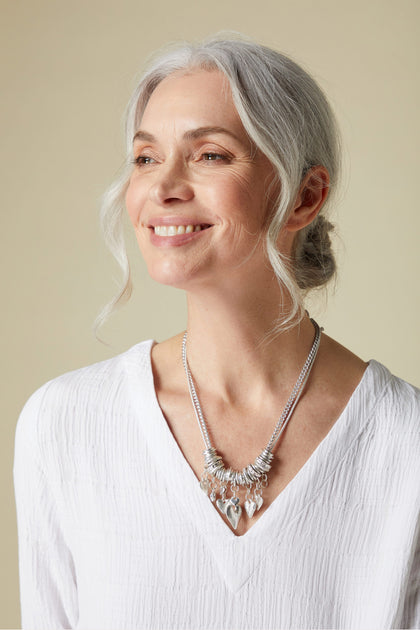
{"type": "Point", "coordinates": [171, 184]}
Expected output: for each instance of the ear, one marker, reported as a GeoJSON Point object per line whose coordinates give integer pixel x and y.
{"type": "Point", "coordinates": [310, 198]}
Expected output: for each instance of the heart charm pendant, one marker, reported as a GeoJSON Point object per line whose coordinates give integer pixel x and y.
{"type": "Point", "coordinates": [233, 513]}
{"type": "Point", "coordinates": [259, 501]}
{"type": "Point", "coordinates": [250, 507]}
{"type": "Point", "coordinates": [221, 504]}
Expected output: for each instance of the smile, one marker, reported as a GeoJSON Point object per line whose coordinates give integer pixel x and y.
{"type": "Point", "coordinates": [173, 230]}
{"type": "Point", "coordinates": [176, 235]}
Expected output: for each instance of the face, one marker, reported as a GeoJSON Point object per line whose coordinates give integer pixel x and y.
{"type": "Point", "coordinates": [197, 196]}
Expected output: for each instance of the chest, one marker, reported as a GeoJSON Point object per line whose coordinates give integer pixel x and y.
{"type": "Point", "coordinates": [137, 537]}
{"type": "Point", "coordinates": [239, 439]}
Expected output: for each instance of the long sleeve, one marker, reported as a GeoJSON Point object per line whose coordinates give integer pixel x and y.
{"type": "Point", "coordinates": [411, 610]}
{"type": "Point", "coordinates": [47, 576]}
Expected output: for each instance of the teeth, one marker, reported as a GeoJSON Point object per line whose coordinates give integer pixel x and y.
{"type": "Point", "coordinates": [172, 230]}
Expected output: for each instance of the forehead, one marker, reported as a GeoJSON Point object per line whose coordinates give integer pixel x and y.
{"type": "Point", "coordinates": [199, 96]}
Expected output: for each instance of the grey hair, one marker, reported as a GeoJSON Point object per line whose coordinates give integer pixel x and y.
{"type": "Point", "coordinates": [287, 116]}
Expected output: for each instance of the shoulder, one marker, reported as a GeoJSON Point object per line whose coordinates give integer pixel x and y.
{"type": "Point", "coordinates": [395, 397]}
{"type": "Point", "coordinates": [78, 393]}
{"type": "Point", "coordinates": [394, 410]}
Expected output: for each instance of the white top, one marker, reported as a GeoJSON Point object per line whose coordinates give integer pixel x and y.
{"type": "Point", "coordinates": [115, 532]}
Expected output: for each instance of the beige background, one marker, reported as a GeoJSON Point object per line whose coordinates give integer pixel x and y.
{"type": "Point", "coordinates": [68, 69]}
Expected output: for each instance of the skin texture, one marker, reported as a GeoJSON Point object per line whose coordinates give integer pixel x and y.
{"type": "Point", "coordinates": [185, 173]}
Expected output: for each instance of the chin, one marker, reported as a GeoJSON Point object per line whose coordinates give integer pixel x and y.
{"type": "Point", "coordinates": [169, 276]}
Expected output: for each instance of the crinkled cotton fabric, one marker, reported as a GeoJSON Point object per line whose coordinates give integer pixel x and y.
{"type": "Point", "coordinates": [115, 532]}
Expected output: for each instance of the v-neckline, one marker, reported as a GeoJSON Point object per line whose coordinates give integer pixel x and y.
{"type": "Point", "coordinates": [226, 546]}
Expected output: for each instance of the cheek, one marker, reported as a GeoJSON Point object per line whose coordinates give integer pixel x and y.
{"type": "Point", "coordinates": [250, 195]}
{"type": "Point", "coordinates": [234, 197]}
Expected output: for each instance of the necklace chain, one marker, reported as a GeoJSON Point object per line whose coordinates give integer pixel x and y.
{"type": "Point", "coordinates": [253, 474]}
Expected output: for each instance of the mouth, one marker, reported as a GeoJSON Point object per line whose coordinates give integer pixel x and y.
{"type": "Point", "coordinates": [174, 230]}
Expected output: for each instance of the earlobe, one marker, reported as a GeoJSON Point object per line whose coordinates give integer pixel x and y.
{"type": "Point", "coordinates": [310, 198]}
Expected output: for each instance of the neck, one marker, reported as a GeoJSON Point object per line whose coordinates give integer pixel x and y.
{"type": "Point", "coordinates": [227, 349]}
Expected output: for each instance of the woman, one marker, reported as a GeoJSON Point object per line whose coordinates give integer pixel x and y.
{"type": "Point", "coordinates": [304, 511]}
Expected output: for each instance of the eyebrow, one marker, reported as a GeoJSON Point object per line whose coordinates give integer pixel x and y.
{"type": "Point", "coordinates": [193, 134]}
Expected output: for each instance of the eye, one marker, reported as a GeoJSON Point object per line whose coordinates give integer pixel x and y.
{"type": "Point", "coordinates": [143, 160]}
{"type": "Point", "coordinates": [213, 157]}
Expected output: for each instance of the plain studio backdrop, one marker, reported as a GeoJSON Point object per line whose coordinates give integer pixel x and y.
{"type": "Point", "coordinates": [68, 70]}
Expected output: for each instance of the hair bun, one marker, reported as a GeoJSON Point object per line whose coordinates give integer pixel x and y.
{"type": "Point", "coordinates": [315, 262]}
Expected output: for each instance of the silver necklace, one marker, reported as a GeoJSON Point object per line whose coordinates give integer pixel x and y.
{"type": "Point", "coordinates": [216, 477]}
